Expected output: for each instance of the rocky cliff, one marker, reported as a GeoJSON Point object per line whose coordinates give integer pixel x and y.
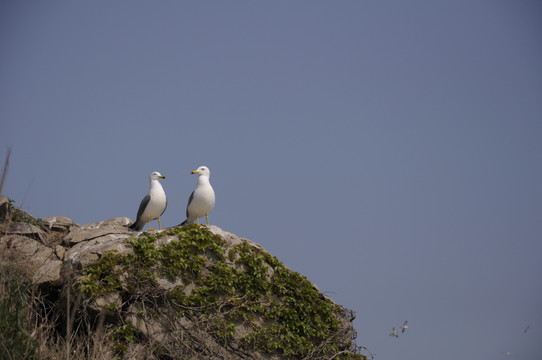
{"type": "Point", "coordinates": [192, 292]}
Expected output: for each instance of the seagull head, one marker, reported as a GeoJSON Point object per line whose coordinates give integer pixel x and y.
{"type": "Point", "coordinates": [202, 170]}
{"type": "Point", "coordinates": [156, 176]}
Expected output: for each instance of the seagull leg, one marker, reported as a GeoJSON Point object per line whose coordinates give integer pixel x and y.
{"type": "Point", "coordinates": [159, 224]}
{"type": "Point", "coordinates": [150, 229]}
{"type": "Point", "coordinates": [197, 219]}
{"type": "Point", "coordinates": [207, 217]}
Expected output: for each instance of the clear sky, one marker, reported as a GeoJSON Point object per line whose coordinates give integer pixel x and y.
{"type": "Point", "coordinates": [390, 151]}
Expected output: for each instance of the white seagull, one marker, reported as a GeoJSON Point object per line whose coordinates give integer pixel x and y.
{"type": "Point", "coordinates": [202, 199]}
{"type": "Point", "coordinates": [394, 332]}
{"type": "Point", "coordinates": [153, 205]}
{"type": "Point", "coordinates": [404, 326]}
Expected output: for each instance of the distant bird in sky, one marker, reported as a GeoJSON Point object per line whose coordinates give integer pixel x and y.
{"type": "Point", "coordinates": [394, 333]}
{"type": "Point", "coordinates": [202, 199]}
{"type": "Point", "coordinates": [527, 328]}
{"type": "Point", "coordinates": [404, 326]}
{"type": "Point", "coordinates": [153, 204]}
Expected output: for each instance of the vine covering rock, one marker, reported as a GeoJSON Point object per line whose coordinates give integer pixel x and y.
{"type": "Point", "coordinates": [188, 292]}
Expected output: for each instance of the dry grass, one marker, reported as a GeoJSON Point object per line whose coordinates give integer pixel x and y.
{"type": "Point", "coordinates": [31, 326]}
{"type": "Point", "coordinates": [5, 169]}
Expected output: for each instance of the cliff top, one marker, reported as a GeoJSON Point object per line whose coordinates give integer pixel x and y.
{"type": "Point", "coordinates": [184, 292]}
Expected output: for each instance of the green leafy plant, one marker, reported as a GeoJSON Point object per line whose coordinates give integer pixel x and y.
{"type": "Point", "coordinates": [219, 288]}
{"type": "Point", "coordinates": [121, 336]}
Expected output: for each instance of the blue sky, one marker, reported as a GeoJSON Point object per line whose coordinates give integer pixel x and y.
{"type": "Point", "coordinates": [389, 151]}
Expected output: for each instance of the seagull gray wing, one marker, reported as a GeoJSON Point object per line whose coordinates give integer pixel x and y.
{"type": "Point", "coordinates": [143, 205]}
{"type": "Point", "coordinates": [165, 207]}
{"type": "Point", "coordinates": [189, 201]}
{"type": "Point", "coordinates": [137, 225]}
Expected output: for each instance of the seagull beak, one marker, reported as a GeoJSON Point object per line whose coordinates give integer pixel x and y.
{"type": "Point", "coordinates": [162, 177]}
{"type": "Point", "coordinates": [194, 172]}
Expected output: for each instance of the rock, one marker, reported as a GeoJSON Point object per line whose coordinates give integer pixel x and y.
{"type": "Point", "coordinates": [168, 329]}
{"type": "Point", "coordinates": [88, 242]}
{"type": "Point", "coordinates": [57, 227]}
{"type": "Point", "coordinates": [180, 316]}
{"type": "Point", "coordinates": [60, 251]}
{"type": "Point", "coordinates": [85, 251]}
{"type": "Point", "coordinates": [230, 238]}
{"type": "Point", "coordinates": [119, 221]}
{"type": "Point", "coordinates": [59, 224]}
{"type": "Point", "coordinates": [157, 331]}
{"type": "Point", "coordinates": [26, 229]}
{"type": "Point", "coordinates": [166, 239]}
{"type": "Point", "coordinates": [41, 263]}
{"type": "Point", "coordinates": [98, 230]}
{"type": "Point", "coordinates": [167, 284]}
{"type": "Point", "coordinates": [106, 301]}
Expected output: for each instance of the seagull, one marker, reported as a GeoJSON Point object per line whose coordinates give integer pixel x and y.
{"type": "Point", "coordinates": [527, 328]}
{"type": "Point", "coordinates": [202, 199]}
{"type": "Point", "coordinates": [404, 326]}
{"type": "Point", "coordinates": [394, 333]}
{"type": "Point", "coordinates": [153, 205]}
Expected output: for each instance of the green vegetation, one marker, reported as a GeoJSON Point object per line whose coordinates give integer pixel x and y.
{"type": "Point", "coordinates": [185, 282]}
{"type": "Point", "coordinates": [240, 294]}
{"type": "Point", "coordinates": [120, 336]}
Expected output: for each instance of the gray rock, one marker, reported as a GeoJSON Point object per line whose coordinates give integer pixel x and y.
{"type": "Point", "coordinates": [87, 250]}
{"type": "Point", "coordinates": [168, 329]}
{"type": "Point", "coordinates": [97, 230]}
{"type": "Point", "coordinates": [40, 262]}
{"type": "Point", "coordinates": [166, 239]}
{"type": "Point", "coordinates": [60, 251]}
{"type": "Point", "coordinates": [26, 229]}
{"type": "Point", "coordinates": [167, 284]}
{"type": "Point", "coordinates": [88, 242]}
{"type": "Point", "coordinates": [232, 239]}
{"type": "Point", "coordinates": [155, 316]}
{"type": "Point", "coordinates": [154, 329]}
{"type": "Point", "coordinates": [106, 301]}
{"type": "Point", "coordinates": [119, 221]}
{"type": "Point", "coordinates": [59, 223]}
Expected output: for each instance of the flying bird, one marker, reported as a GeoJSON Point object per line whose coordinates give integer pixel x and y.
{"type": "Point", "coordinates": [527, 328]}
{"type": "Point", "coordinates": [404, 326]}
{"type": "Point", "coordinates": [202, 199]}
{"type": "Point", "coordinates": [153, 204]}
{"type": "Point", "coordinates": [394, 333]}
